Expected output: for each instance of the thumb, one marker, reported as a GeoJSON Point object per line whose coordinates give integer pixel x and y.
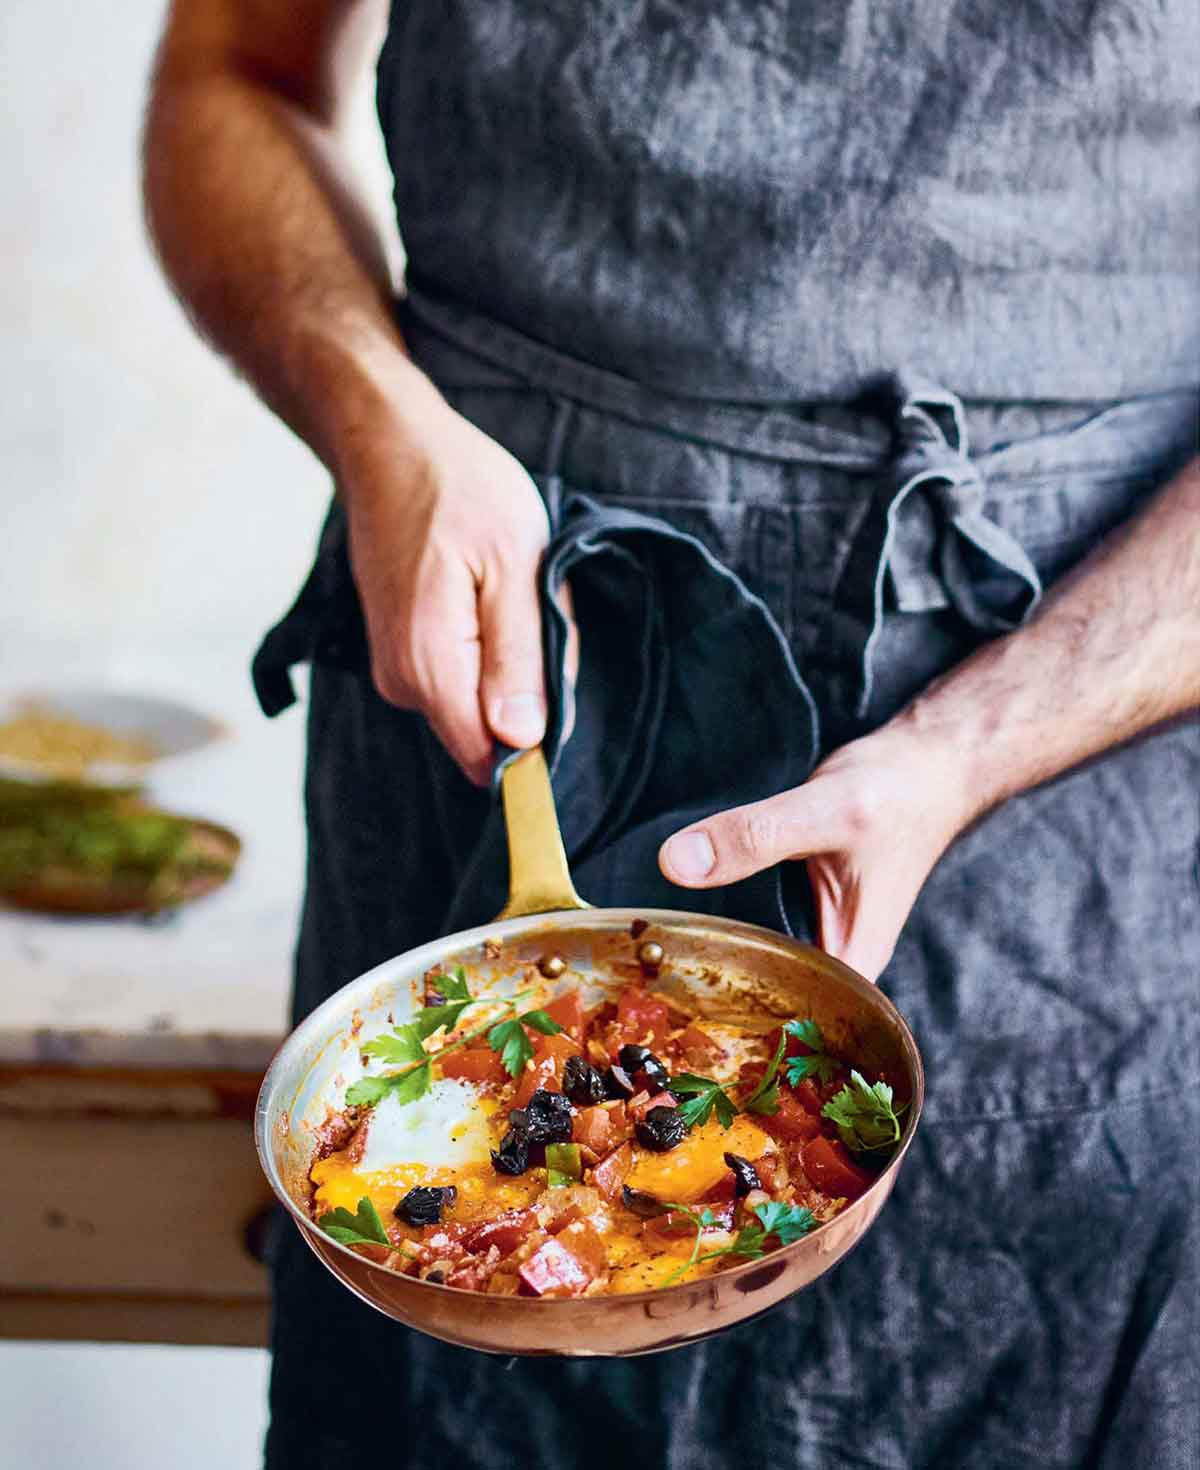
{"type": "Point", "coordinates": [512, 684]}
{"type": "Point", "coordinates": [744, 840]}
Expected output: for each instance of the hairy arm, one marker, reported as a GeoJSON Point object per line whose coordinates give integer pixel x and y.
{"type": "Point", "coordinates": [251, 203]}
{"type": "Point", "coordinates": [1113, 651]}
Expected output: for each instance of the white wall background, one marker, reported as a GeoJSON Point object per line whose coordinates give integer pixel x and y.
{"type": "Point", "coordinates": [153, 521]}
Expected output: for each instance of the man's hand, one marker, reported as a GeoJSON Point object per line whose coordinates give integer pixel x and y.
{"type": "Point", "coordinates": [446, 529]}
{"type": "Point", "coordinates": [870, 823]}
{"type": "Point", "coordinates": [254, 210]}
{"type": "Point", "coordinates": [1114, 650]}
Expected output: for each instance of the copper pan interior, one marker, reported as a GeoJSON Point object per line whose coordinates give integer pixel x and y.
{"type": "Point", "coordinates": [712, 967]}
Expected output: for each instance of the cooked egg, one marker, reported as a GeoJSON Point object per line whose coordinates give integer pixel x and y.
{"type": "Point", "coordinates": [698, 1164]}
{"type": "Point", "coordinates": [441, 1138]}
{"type": "Point", "coordinates": [448, 1128]}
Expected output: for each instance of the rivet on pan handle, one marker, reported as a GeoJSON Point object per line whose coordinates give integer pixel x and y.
{"type": "Point", "coordinates": [539, 879]}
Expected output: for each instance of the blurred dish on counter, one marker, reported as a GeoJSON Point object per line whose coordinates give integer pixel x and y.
{"type": "Point", "coordinates": [71, 849]}
{"type": "Point", "coordinates": [96, 737]}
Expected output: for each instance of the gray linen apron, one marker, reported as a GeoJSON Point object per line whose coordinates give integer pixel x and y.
{"type": "Point", "coordinates": [758, 208]}
{"type": "Point", "coordinates": [1029, 1295]}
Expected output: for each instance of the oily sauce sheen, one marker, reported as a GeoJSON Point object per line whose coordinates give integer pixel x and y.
{"type": "Point", "coordinates": [590, 1211]}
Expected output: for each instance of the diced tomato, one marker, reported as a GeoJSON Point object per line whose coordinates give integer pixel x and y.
{"type": "Point", "coordinates": [476, 1064]}
{"type": "Point", "coordinates": [675, 1223]}
{"type": "Point", "coordinates": [554, 1270]}
{"type": "Point", "coordinates": [376, 1253]}
{"type": "Point", "coordinates": [829, 1165]}
{"type": "Point", "coordinates": [610, 1173]}
{"type": "Point", "coordinates": [585, 1245]}
{"type": "Point", "coordinates": [641, 1102]}
{"type": "Point", "coordinates": [544, 1073]}
{"type": "Point", "coordinates": [698, 1048]}
{"type": "Point", "coordinates": [808, 1095]}
{"type": "Point", "coordinates": [600, 1128]}
{"type": "Point", "coordinates": [568, 1217]}
{"type": "Point", "coordinates": [790, 1123]}
{"type": "Point", "coordinates": [642, 1017]}
{"type": "Point", "coordinates": [560, 1047]}
{"type": "Point", "coordinates": [550, 1055]}
{"type": "Point", "coordinates": [567, 1010]}
{"type": "Point", "coordinates": [724, 1191]}
{"type": "Point", "coordinates": [505, 1232]}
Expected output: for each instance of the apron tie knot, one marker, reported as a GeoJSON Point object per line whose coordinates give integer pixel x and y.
{"type": "Point", "coordinates": [960, 497]}
{"type": "Point", "coordinates": [926, 544]}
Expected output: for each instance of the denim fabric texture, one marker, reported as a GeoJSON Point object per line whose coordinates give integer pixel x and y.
{"type": "Point", "coordinates": [754, 586]}
{"type": "Point", "coordinates": [764, 201]}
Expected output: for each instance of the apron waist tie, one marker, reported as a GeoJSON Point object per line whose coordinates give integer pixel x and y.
{"type": "Point", "coordinates": [926, 540]}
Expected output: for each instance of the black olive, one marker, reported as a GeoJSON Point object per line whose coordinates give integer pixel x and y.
{"type": "Point", "coordinates": [745, 1175]}
{"type": "Point", "coordinates": [641, 1203]}
{"type": "Point", "coordinates": [547, 1118]}
{"type": "Point", "coordinates": [437, 1276]}
{"type": "Point", "coordinates": [582, 1083]}
{"type": "Point", "coordinates": [618, 1083]}
{"type": "Point", "coordinates": [661, 1129]}
{"type": "Point", "coordinates": [512, 1157]}
{"type": "Point", "coordinates": [424, 1204]}
{"type": "Point", "coordinates": [635, 1059]}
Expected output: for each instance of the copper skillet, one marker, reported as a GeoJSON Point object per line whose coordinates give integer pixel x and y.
{"type": "Point", "coordinates": [710, 966]}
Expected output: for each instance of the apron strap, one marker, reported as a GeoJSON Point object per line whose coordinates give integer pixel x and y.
{"type": "Point", "coordinates": [925, 540]}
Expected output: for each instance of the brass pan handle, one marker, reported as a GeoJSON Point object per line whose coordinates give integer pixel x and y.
{"type": "Point", "coordinates": [539, 880]}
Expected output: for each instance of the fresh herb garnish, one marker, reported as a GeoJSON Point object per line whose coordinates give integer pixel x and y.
{"type": "Point", "coordinates": [765, 1097]}
{"type": "Point", "coordinates": [786, 1222]}
{"type": "Point", "coordinates": [364, 1227]}
{"type": "Point", "coordinates": [407, 1086]}
{"type": "Point", "coordinates": [703, 1096]}
{"type": "Point", "coordinates": [451, 985]}
{"type": "Point", "coordinates": [403, 1045]}
{"type": "Point", "coordinates": [864, 1115]}
{"type": "Point", "coordinates": [703, 1221]}
{"type": "Point", "coordinates": [819, 1063]}
{"type": "Point", "coordinates": [510, 1040]}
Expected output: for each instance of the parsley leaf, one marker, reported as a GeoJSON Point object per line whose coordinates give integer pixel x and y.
{"type": "Point", "coordinates": [451, 986]}
{"type": "Point", "coordinates": [403, 1044]}
{"type": "Point", "coordinates": [430, 1018]}
{"type": "Point", "coordinates": [364, 1227]}
{"type": "Point", "coordinates": [367, 1091]}
{"type": "Point", "coordinates": [788, 1222]}
{"type": "Point", "coordinates": [864, 1115]}
{"type": "Point", "coordinates": [540, 1021]}
{"type": "Point", "coordinates": [510, 1040]}
{"type": "Point", "coordinates": [407, 1085]}
{"type": "Point", "coordinates": [819, 1064]}
{"type": "Point", "coordinates": [704, 1097]}
{"type": "Point", "coordinates": [765, 1097]}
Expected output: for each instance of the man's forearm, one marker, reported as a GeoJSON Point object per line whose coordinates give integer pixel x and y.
{"type": "Point", "coordinates": [257, 225]}
{"type": "Point", "coordinates": [1113, 650]}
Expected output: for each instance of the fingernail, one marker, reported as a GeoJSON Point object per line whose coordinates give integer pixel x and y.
{"type": "Point", "coordinates": [520, 719]}
{"type": "Point", "coordinates": [691, 856]}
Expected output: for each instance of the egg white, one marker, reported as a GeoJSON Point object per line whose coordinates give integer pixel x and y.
{"type": "Point", "coordinates": [446, 1128]}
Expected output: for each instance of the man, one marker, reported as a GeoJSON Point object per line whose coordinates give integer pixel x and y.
{"type": "Point", "coordinates": [665, 254]}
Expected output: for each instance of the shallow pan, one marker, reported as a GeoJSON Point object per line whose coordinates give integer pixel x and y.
{"type": "Point", "coordinates": [711, 967]}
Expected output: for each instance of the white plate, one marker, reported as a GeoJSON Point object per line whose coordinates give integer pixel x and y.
{"type": "Point", "coordinates": [171, 728]}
